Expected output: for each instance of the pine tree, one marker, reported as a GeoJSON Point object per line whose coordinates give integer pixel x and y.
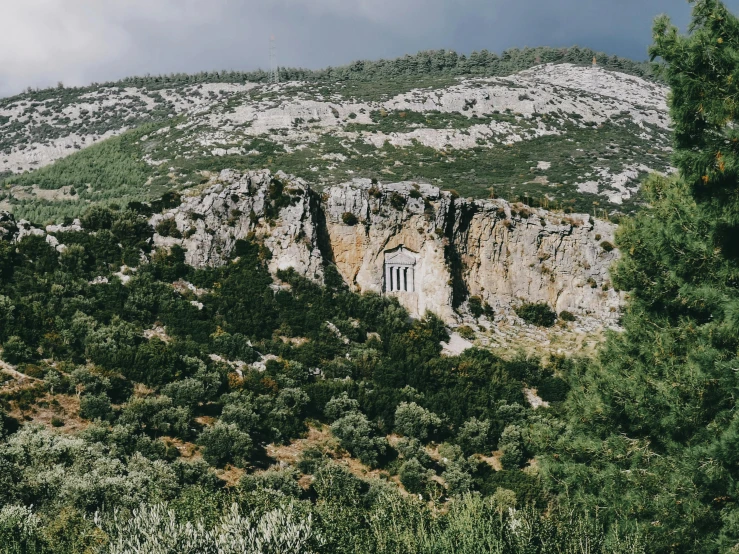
{"type": "Point", "coordinates": [653, 436]}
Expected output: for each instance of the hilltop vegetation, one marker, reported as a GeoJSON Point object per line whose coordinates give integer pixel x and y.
{"type": "Point", "coordinates": [427, 63]}
{"type": "Point", "coordinates": [563, 136]}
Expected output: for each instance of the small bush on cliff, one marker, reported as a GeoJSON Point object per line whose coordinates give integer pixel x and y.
{"type": "Point", "coordinates": [466, 332]}
{"type": "Point", "coordinates": [397, 201]}
{"type": "Point", "coordinates": [539, 314]}
{"type": "Point", "coordinates": [349, 219]}
{"type": "Point", "coordinates": [567, 316]}
{"type": "Point", "coordinates": [168, 228]}
{"type": "Point", "coordinates": [475, 304]}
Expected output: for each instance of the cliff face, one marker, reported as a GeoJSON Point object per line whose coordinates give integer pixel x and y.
{"type": "Point", "coordinates": [505, 254]}
{"type": "Point", "coordinates": [282, 211]}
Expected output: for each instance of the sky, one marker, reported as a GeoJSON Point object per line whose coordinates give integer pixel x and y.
{"type": "Point", "coordinates": [77, 42]}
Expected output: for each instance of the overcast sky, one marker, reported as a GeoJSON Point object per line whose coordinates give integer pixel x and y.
{"type": "Point", "coordinates": [80, 41]}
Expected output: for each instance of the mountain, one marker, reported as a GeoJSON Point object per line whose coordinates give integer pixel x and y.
{"type": "Point", "coordinates": [335, 314]}
{"type": "Point", "coordinates": [555, 135]}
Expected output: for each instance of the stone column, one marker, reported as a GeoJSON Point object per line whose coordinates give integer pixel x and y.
{"type": "Point", "coordinates": [411, 281]}
{"type": "Point", "coordinates": [388, 278]}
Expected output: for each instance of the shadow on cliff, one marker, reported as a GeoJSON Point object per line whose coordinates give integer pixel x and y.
{"type": "Point", "coordinates": [323, 240]}
{"type": "Point", "coordinates": [457, 225]}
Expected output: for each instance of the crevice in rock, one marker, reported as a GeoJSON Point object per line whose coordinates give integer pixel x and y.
{"type": "Point", "coordinates": [457, 225]}
{"type": "Point", "coordinates": [323, 239]}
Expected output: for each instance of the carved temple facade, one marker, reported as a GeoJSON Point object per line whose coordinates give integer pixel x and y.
{"type": "Point", "coordinates": [400, 271]}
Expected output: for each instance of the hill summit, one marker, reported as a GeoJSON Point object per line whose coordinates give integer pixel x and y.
{"type": "Point", "coordinates": [556, 135]}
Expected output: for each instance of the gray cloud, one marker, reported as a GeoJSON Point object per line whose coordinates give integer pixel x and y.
{"type": "Point", "coordinates": [79, 41]}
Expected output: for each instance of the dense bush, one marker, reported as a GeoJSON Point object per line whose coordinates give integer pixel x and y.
{"type": "Point", "coordinates": [355, 434]}
{"type": "Point", "coordinates": [414, 477]}
{"type": "Point", "coordinates": [567, 316]}
{"type": "Point", "coordinates": [537, 314]}
{"type": "Point", "coordinates": [475, 305]}
{"type": "Point", "coordinates": [349, 218]}
{"type": "Point", "coordinates": [553, 389]}
{"type": "Point", "coordinates": [607, 246]}
{"type": "Point", "coordinates": [225, 443]}
{"type": "Point", "coordinates": [411, 420]}
{"type": "Point", "coordinates": [167, 227]}
{"type": "Point", "coordinates": [474, 436]}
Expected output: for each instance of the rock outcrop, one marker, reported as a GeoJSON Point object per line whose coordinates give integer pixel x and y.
{"type": "Point", "coordinates": [281, 210]}
{"type": "Point", "coordinates": [503, 253]}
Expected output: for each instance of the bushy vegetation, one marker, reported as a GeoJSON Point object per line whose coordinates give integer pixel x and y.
{"type": "Point", "coordinates": [537, 314]}
{"type": "Point", "coordinates": [426, 63]}
{"type": "Point", "coordinates": [157, 371]}
{"type": "Point", "coordinates": [637, 453]}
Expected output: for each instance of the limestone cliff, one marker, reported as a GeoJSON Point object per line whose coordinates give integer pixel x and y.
{"type": "Point", "coordinates": [506, 254]}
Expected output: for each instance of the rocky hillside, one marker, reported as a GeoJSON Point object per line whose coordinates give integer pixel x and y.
{"type": "Point", "coordinates": [555, 135]}
{"type": "Point", "coordinates": [491, 253]}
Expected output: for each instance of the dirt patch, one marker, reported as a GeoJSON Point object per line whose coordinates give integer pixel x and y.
{"type": "Point", "coordinates": [34, 192]}
{"type": "Point", "coordinates": [158, 332]}
{"type": "Point", "coordinates": [188, 450]}
{"type": "Point", "coordinates": [231, 475]}
{"type": "Point", "coordinates": [63, 409]}
{"type": "Point", "coordinates": [456, 345]}
{"type": "Point", "coordinates": [321, 438]}
{"type": "Point", "coordinates": [534, 399]}
{"type": "Point", "coordinates": [493, 461]}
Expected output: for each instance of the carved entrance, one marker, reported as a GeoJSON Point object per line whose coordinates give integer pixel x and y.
{"type": "Point", "coordinates": [400, 271]}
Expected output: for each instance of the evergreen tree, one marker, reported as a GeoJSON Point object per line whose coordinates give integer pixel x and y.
{"type": "Point", "coordinates": [653, 434]}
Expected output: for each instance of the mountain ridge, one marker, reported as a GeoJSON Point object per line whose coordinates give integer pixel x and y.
{"type": "Point", "coordinates": [586, 134]}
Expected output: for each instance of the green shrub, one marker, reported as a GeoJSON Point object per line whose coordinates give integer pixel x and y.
{"type": "Point", "coordinates": [567, 316]}
{"type": "Point", "coordinates": [167, 227]}
{"type": "Point", "coordinates": [607, 246]}
{"type": "Point", "coordinates": [349, 219]}
{"type": "Point", "coordinates": [553, 389]}
{"type": "Point", "coordinates": [474, 436]}
{"type": "Point", "coordinates": [16, 351]}
{"type": "Point", "coordinates": [225, 443]}
{"type": "Point", "coordinates": [411, 420]}
{"type": "Point", "coordinates": [458, 479]}
{"type": "Point", "coordinates": [539, 314]}
{"type": "Point", "coordinates": [96, 407]}
{"type": "Point", "coordinates": [339, 406]}
{"type": "Point", "coordinates": [475, 305]}
{"type": "Point", "coordinates": [414, 477]}
{"type": "Point", "coordinates": [511, 444]}
{"type": "Point", "coordinates": [466, 332]}
{"type": "Point", "coordinates": [397, 201]}
{"type": "Point", "coordinates": [356, 434]}
{"type": "Point", "coordinates": [284, 481]}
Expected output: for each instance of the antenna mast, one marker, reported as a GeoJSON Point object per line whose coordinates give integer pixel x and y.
{"type": "Point", "coordinates": [274, 74]}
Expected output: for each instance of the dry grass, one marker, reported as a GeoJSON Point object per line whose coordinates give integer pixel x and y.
{"type": "Point", "coordinates": [62, 407]}
{"type": "Point", "coordinates": [320, 437]}
{"type": "Point", "coordinates": [493, 461]}
{"type": "Point", "coordinates": [231, 475]}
